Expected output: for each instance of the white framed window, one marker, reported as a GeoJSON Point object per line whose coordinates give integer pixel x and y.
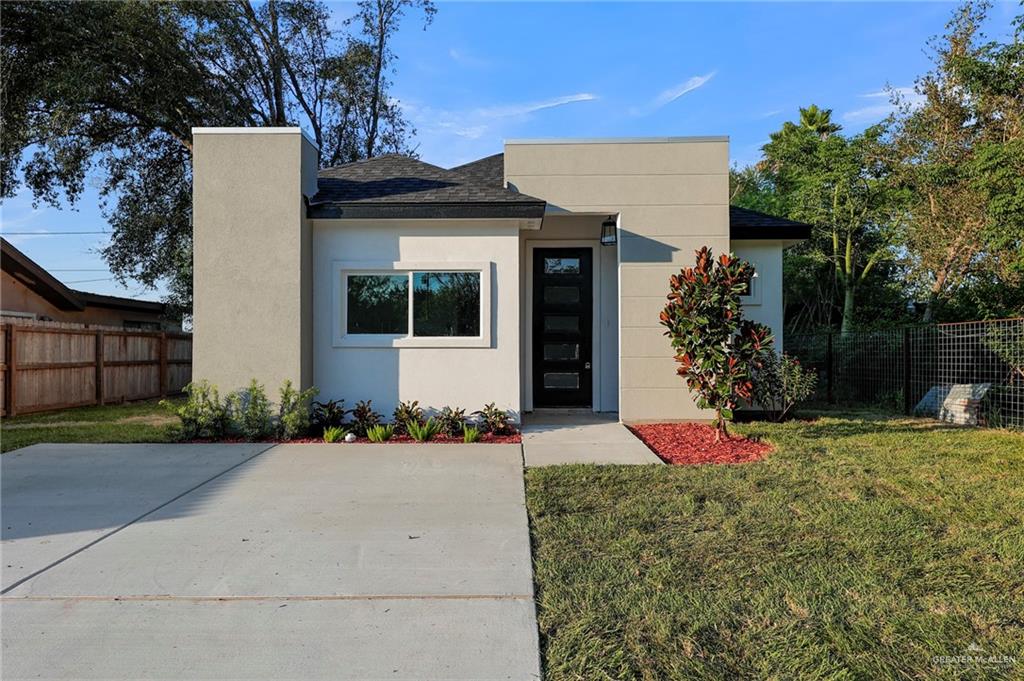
{"type": "Point", "coordinates": [753, 294]}
{"type": "Point", "coordinates": [410, 304]}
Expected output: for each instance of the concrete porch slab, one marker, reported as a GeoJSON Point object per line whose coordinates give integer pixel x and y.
{"type": "Point", "coordinates": [557, 437]}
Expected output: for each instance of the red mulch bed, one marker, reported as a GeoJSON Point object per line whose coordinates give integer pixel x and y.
{"type": "Point", "coordinates": [485, 439]}
{"type": "Point", "coordinates": [694, 443]}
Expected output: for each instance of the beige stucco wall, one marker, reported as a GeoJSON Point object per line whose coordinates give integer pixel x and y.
{"type": "Point", "coordinates": [672, 198]}
{"type": "Point", "coordinates": [464, 374]}
{"type": "Point", "coordinates": [252, 313]}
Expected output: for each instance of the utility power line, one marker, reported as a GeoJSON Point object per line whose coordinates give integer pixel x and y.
{"type": "Point", "coordinates": [48, 233]}
{"type": "Point", "coordinates": [86, 281]}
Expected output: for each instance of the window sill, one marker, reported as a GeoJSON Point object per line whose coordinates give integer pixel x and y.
{"type": "Point", "coordinates": [370, 341]}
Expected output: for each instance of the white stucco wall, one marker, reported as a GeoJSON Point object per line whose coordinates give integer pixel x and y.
{"type": "Point", "coordinates": [466, 377]}
{"type": "Point", "coordinates": [766, 303]}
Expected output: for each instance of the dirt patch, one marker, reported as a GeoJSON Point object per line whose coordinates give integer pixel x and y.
{"type": "Point", "coordinates": [694, 443]}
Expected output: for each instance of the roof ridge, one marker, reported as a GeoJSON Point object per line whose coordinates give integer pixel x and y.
{"type": "Point", "coordinates": [404, 157]}
{"type": "Point", "coordinates": [476, 161]}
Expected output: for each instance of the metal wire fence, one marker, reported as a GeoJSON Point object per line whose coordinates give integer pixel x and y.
{"type": "Point", "coordinates": [968, 372]}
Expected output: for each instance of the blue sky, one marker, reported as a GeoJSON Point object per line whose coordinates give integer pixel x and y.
{"type": "Point", "coordinates": [485, 72]}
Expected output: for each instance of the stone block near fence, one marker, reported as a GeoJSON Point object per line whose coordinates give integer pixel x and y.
{"type": "Point", "coordinates": [959, 403]}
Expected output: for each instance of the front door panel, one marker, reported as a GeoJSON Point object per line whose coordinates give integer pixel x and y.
{"type": "Point", "coordinates": [562, 327]}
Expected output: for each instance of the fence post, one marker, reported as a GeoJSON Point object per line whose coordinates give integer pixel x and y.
{"type": "Point", "coordinates": [163, 364]}
{"type": "Point", "coordinates": [99, 368]}
{"type": "Point", "coordinates": [830, 369]}
{"type": "Point", "coordinates": [12, 368]}
{"type": "Point", "coordinates": [906, 372]}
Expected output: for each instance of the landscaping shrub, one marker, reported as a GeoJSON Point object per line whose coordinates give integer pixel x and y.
{"type": "Point", "coordinates": [380, 433]}
{"type": "Point", "coordinates": [406, 413]}
{"type": "Point", "coordinates": [364, 417]}
{"type": "Point", "coordinates": [329, 414]}
{"type": "Point", "coordinates": [334, 434]}
{"type": "Point", "coordinates": [202, 414]}
{"type": "Point", "coordinates": [495, 420]}
{"type": "Point", "coordinates": [780, 383]}
{"type": "Point", "coordinates": [470, 433]}
{"type": "Point", "coordinates": [422, 432]}
{"type": "Point", "coordinates": [293, 411]}
{"type": "Point", "coordinates": [717, 350]}
{"type": "Point", "coordinates": [250, 412]}
{"type": "Point", "coordinates": [452, 421]}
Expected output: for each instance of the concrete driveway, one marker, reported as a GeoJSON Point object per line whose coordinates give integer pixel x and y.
{"type": "Point", "coordinates": [249, 561]}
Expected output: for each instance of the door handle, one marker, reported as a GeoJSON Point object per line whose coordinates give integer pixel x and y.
{"type": "Point", "coordinates": [587, 366]}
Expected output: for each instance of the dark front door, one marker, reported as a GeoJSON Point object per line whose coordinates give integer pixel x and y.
{"type": "Point", "coordinates": [562, 327]}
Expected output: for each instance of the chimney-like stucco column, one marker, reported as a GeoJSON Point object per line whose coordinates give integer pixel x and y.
{"type": "Point", "coordinates": [252, 286]}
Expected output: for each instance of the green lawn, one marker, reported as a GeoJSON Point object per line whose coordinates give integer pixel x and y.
{"type": "Point", "coordinates": [861, 549]}
{"type": "Point", "coordinates": [135, 422]}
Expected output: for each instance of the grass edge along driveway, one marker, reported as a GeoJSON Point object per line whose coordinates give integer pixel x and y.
{"type": "Point", "coordinates": [146, 421]}
{"type": "Point", "coordinates": [861, 548]}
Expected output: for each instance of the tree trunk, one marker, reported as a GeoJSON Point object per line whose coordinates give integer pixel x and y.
{"type": "Point", "coordinates": [848, 304]}
{"type": "Point", "coordinates": [277, 68]}
{"type": "Point", "coordinates": [378, 68]}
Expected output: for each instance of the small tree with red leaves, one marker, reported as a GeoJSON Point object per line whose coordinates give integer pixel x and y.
{"type": "Point", "coordinates": [716, 348]}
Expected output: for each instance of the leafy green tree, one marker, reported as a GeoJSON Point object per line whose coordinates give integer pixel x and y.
{"type": "Point", "coordinates": [960, 158]}
{"type": "Point", "coordinates": [717, 350]}
{"type": "Point", "coordinates": [840, 186]}
{"type": "Point", "coordinates": [111, 90]}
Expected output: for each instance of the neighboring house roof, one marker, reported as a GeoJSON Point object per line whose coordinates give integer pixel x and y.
{"type": "Point", "coordinates": [44, 284]}
{"type": "Point", "coordinates": [403, 187]}
{"type": "Point", "coordinates": [743, 222]}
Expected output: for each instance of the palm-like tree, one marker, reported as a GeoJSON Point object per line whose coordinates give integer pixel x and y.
{"type": "Point", "coordinates": [818, 121]}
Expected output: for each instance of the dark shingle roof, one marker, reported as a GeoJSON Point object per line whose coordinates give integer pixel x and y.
{"type": "Point", "coordinates": [743, 222]}
{"type": "Point", "coordinates": [488, 171]}
{"type": "Point", "coordinates": [750, 224]}
{"type": "Point", "coordinates": [400, 186]}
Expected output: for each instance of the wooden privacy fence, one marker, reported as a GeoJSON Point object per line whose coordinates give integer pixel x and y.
{"type": "Point", "coordinates": [57, 368]}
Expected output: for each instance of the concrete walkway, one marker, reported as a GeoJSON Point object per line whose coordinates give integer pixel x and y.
{"type": "Point", "coordinates": [554, 437]}
{"type": "Point", "coordinates": [294, 561]}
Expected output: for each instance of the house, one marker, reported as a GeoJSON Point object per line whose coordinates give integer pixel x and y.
{"type": "Point", "coordinates": [531, 278]}
{"type": "Point", "coordinates": [30, 292]}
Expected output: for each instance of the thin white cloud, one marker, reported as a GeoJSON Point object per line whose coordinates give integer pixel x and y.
{"type": "Point", "coordinates": [516, 110]}
{"type": "Point", "coordinates": [882, 104]}
{"type": "Point", "coordinates": [482, 122]}
{"type": "Point", "coordinates": [464, 58]}
{"type": "Point", "coordinates": [672, 94]}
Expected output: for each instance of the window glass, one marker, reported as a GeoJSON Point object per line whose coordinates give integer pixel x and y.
{"type": "Point", "coordinates": [562, 381]}
{"type": "Point", "coordinates": [561, 265]}
{"type": "Point", "coordinates": [561, 295]}
{"type": "Point", "coordinates": [446, 304]}
{"type": "Point", "coordinates": [561, 352]}
{"type": "Point", "coordinates": [561, 323]}
{"type": "Point", "coordinates": [378, 303]}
